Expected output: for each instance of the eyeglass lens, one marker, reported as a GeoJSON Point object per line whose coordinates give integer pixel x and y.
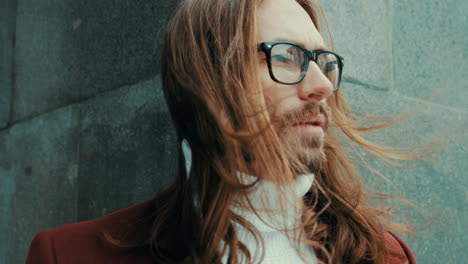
{"type": "Point", "coordinates": [288, 63]}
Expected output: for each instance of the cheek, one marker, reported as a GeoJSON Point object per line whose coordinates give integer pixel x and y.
{"type": "Point", "coordinates": [278, 97]}
{"type": "Point", "coordinates": [265, 77]}
{"type": "Point", "coordinates": [268, 85]}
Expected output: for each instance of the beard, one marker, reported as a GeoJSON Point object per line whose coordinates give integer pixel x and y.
{"type": "Point", "coordinates": [306, 149]}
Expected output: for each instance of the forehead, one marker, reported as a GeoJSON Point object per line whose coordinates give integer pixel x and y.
{"type": "Point", "coordinates": [287, 20]}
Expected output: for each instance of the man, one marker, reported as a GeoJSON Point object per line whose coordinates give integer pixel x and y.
{"type": "Point", "coordinates": [254, 94]}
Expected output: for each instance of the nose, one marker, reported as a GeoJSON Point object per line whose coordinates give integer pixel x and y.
{"type": "Point", "coordinates": [315, 85]}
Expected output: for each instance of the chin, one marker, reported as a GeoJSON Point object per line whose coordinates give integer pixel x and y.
{"type": "Point", "coordinates": [309, 150]}
{"type": "Point", "coordinates": [314, 160]}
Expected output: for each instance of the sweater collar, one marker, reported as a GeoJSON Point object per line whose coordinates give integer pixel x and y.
{"type": "Point", "coordinates": [279, 207]}
{"type": "Point", "coordinates": [276, 208]}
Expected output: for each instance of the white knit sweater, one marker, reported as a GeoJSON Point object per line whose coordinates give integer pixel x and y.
{"type": "Point", "coordinates": [279, 248]}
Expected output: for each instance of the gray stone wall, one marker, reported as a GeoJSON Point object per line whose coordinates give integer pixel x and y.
{"type": "Point", "coordinates": [84, 129]}
{"type": "Point", "coordinates": [409, 57]}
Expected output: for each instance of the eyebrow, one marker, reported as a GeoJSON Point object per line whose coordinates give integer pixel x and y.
{"type": "Point", "coordinates": [320, 47]}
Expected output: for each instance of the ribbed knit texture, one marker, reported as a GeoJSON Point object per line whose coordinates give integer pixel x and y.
{"type": "Point", "coordinates": [278, 247]}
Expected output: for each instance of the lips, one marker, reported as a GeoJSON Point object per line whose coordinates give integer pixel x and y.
{"type": "Point", "coordinates": [312, 120]}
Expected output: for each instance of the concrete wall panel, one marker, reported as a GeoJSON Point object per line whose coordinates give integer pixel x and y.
{"type": "Point", "coordinates": [438, 184]}
{"type": "Point", "coordinates": [39, 168]}
{"type": "Point", "coordinates": [429, 51]}
{"type": "Point", "coordinates": [7, 32]}
{"type": "Point", "coordinates": [127, 150]}
{"type": "Point", "coordinates": [7, 217]}
{"type": "Point", "coordinates": [70, 50]}
{"type": "Point", "coordinates": [362, 35]}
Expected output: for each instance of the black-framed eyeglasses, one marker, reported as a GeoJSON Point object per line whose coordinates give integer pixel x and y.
{"type": "Point", "coordinates": [288, 62]}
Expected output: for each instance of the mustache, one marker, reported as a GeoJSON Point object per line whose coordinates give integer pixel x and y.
{"type": "Point", "coordinates": [312, 108]}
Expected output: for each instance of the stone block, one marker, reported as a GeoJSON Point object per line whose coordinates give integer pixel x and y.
{"type": "Point", "coordinates": [362, 34]}
{"type": "Point", "coordinates": [70, 50]}
{"type": "Point", "coordinates": [128, 149]}
{"type": "Point", "coordinates": [83, 161]}
{"type": "Point", "coordinates": [437, 184]}
{"type": "Point", "coordinates": [7, 29]}
{"type": "Point", "coordinates": [38, 172]}
{"type": "Point", "coordinates": [7, 211]}
{"type": "Point", "coordinates": [429, 48]}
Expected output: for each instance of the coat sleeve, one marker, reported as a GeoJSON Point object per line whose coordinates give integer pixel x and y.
{"type": "Point", "coordinates": [397, 244]}
{"type": "Point", "coordinates": [41, 250]}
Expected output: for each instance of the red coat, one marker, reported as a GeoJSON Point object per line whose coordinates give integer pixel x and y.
{"type": "Point", "coordinates": [84, 243]}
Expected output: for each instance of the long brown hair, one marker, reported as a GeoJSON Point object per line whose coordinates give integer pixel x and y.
{"type": "Point", "coordinates": [212, 88]}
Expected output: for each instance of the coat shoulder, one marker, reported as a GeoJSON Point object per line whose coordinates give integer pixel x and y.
{"type": "Point", "coordinates": [397, 245]}
{"type": "Point", "coordinates": [88, 241]}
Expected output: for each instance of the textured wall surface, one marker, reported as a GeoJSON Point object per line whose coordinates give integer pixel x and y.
{"type": "Point", "coordinates": [7, 34]}
{"type": "Point", "coordinates": [410, 57]}
{"type": "Point", "coordinates": [84, 129]}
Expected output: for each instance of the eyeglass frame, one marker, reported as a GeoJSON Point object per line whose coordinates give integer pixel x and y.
{"type": "Point", "coordinates": [312, 55]}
